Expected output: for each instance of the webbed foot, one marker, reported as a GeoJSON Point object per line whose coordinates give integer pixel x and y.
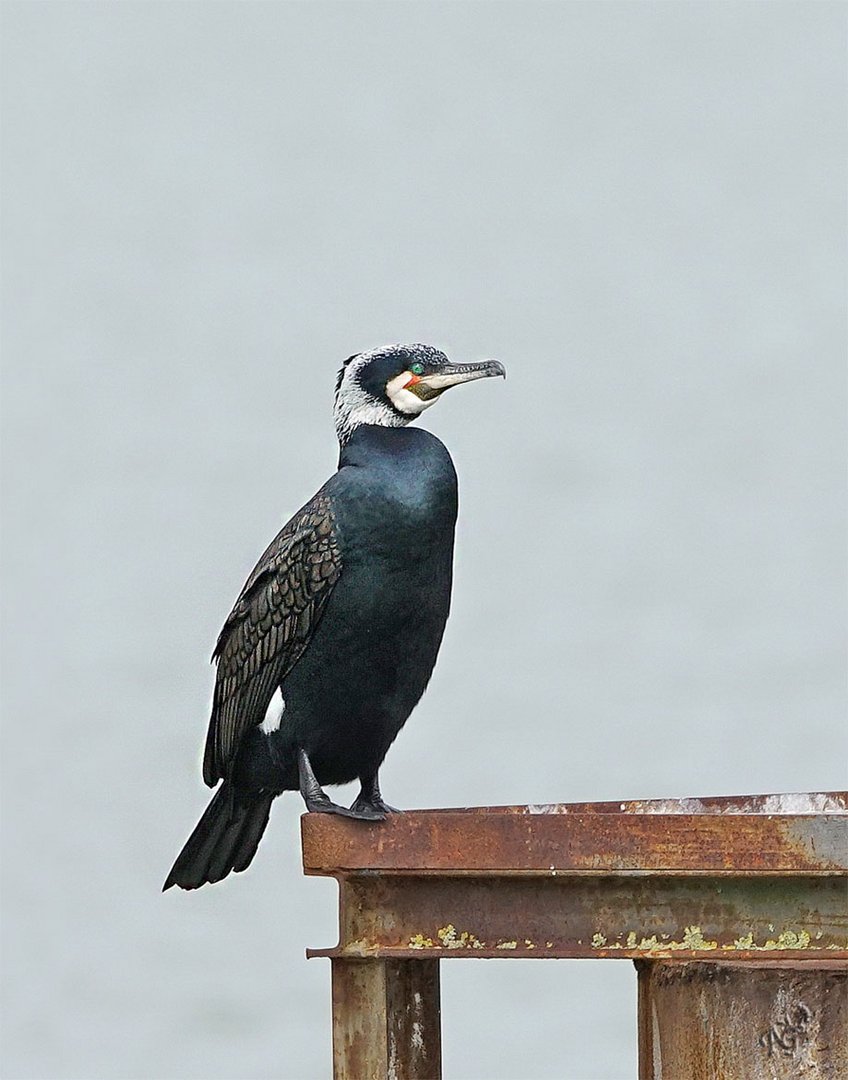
{"type": "Point", "coordinates": [323, 804]}
{"type": "Point", "coordinates": [319, 802]}
{"type": "Point", "coordinates": [370, 802]}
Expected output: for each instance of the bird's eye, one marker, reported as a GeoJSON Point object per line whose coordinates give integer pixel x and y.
{"type": "Point", "coordinates": [417, 369]}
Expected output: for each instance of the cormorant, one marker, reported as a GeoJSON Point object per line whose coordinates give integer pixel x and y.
{"type": "Point", "coordinates": [334, 636]}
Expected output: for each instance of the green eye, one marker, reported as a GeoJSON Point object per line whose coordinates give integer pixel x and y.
{"type": "Point", "coordinates": [417, 369]}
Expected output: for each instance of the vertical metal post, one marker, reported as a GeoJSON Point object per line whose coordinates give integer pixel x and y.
{"type": "Point", "coordinates": [386, 1020]}
{"type": "Point", "coordinates": [722, 1021]}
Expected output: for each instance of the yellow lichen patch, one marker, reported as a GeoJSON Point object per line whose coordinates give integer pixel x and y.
{"type": "Point", "coordinates": [744, 942]}
{"type": "Point", "coordinates": [694, 939]}
{"type": "Point", "coordinates": [418, 941]}
{"type": "Point", "coordinates": [507, 945]}
{"type": "Point", "coordinates": [450, 939]}
{"type": "Point", "coordinates": [789, 940]}
{"type": "Point", "coordinates": [360, 947]}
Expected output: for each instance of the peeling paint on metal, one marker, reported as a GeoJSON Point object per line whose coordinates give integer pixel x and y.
{"type": "Point", "coordinates": [817, 802]}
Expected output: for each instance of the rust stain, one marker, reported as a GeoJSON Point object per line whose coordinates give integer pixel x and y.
{"type": "Point", "coordinates": [728, 1020]}
{"type": "Point", "coordinates": [575, 839]}
{"type": "Point", "coordinates": [759, 879]}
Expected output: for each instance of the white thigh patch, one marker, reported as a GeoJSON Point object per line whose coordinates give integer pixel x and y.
{"type": "Point", "coordinates": [274, 713]}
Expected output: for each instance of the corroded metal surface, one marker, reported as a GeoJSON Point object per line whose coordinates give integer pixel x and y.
{"type": "Point", "coordinates": [592, 883]}
{"type": "Point", "coordinates": [610, 917]}
{"type": "Point", "coordinates": [386, 1020]}
{"type": "Point", "coordinates": [446, 842]}
{"type": "Point", "coordinates": [756, 880]}
{"type": "Point", "coordinates": [717, 1021]}
{"type": "Point", "coordinates": [806, 802]}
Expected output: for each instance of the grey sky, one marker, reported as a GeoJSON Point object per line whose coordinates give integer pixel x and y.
{"type": "Point", "coordinates": [639, 209]}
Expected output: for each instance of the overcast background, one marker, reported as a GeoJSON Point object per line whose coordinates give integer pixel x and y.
{"type": "Point", "coordinates": [640, 210]}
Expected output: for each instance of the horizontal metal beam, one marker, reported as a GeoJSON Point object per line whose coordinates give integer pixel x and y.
{"type": "Point", "coordinates": [592, 880]}
{"type": "Point", "coordinates": [542, 843]}
{"type": "Point", "coordinates": [606, 917]}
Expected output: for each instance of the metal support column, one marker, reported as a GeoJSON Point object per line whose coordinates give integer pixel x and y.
{"type": "Point", "coordinates": [707, 1021]}
{"type": "Point", "coordinates": [386, 1020]}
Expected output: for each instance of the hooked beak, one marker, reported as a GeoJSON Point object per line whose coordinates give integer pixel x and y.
{"type": "Point", "coordinates": [430, 386]}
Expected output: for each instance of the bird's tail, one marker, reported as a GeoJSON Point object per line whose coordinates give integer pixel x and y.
{"type": "Point", "coordinates": [224, 840]}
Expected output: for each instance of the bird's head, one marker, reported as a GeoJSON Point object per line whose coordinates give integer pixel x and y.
{"type": "Point", "coordinates": [392, 385]}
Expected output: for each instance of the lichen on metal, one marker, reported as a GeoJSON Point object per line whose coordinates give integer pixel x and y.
{"type": "Point", "coordinates": [418, 941]}
{"type": "Point", "coordinates": [451, 940]}
{"type": "Point", "coordinates": [399, 908]}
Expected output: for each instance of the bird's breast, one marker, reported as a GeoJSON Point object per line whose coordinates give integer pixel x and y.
{"type": "Point", "coordinates": [405, 514]}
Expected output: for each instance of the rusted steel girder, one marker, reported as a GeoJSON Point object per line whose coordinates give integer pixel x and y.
{"type": "Point", "coordinates": [759, 879]}
{"type": "Point", "coordinates": [608, 881]}
{"type": "Point", "coordinates": [543, 840]}
{"type": "Point", "coordinates": [625, 916]}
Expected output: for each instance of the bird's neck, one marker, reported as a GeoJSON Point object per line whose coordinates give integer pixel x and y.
{"type": "Point", "coordinates": [354, 411]}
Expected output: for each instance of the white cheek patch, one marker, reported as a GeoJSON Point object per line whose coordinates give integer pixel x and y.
{"type": "Point", "coordinates": [274, 713]}
{"type": "Point", "coordinates": [353, 406]}
{"type": "Point", "coordinates": [404, 400]}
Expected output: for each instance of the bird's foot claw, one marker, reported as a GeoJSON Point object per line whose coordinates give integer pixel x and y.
{"type": "Point", "coordinates": [374, 809]}
{"type": "Point", "coordinates": [325, 805]}
{"type": "Point", "coordinates": [366, 812]}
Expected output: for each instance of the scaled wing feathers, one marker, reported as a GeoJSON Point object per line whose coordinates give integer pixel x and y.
{"type": "Point", "coordinates": [269, 628]}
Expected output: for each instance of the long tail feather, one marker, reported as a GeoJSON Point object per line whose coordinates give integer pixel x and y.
{"type": "Point", "coordinates": [224, 840]}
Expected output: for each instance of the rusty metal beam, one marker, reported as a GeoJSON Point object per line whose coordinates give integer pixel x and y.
{"type": "Point", "coordinates": [582, 882]}
{"type": "Point", "coordinates": [611, 917]}
{"type": "Point", "coordinates": [554, 841]}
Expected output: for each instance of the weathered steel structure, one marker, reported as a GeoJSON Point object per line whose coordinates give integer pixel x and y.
{"type": "Point", "coordinates": [735, 911]}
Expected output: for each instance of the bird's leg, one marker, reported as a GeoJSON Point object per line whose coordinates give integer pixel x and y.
{"type": "Point", "coordinates": [317, 800]}
{"type": "Point", "coordinates": [370, 799]}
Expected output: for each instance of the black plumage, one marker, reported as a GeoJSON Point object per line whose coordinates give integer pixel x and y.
{"type": "Point", "coordinates": [341, 619]}
{"type": "Point", "coordinates": [269, 627]}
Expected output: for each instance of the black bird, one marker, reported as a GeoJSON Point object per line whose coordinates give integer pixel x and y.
{"type": "Point", "coordinates": [334, 636]}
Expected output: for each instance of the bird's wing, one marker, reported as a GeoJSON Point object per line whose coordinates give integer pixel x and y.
{"type": "Point", "coordinates": [269, 628]}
